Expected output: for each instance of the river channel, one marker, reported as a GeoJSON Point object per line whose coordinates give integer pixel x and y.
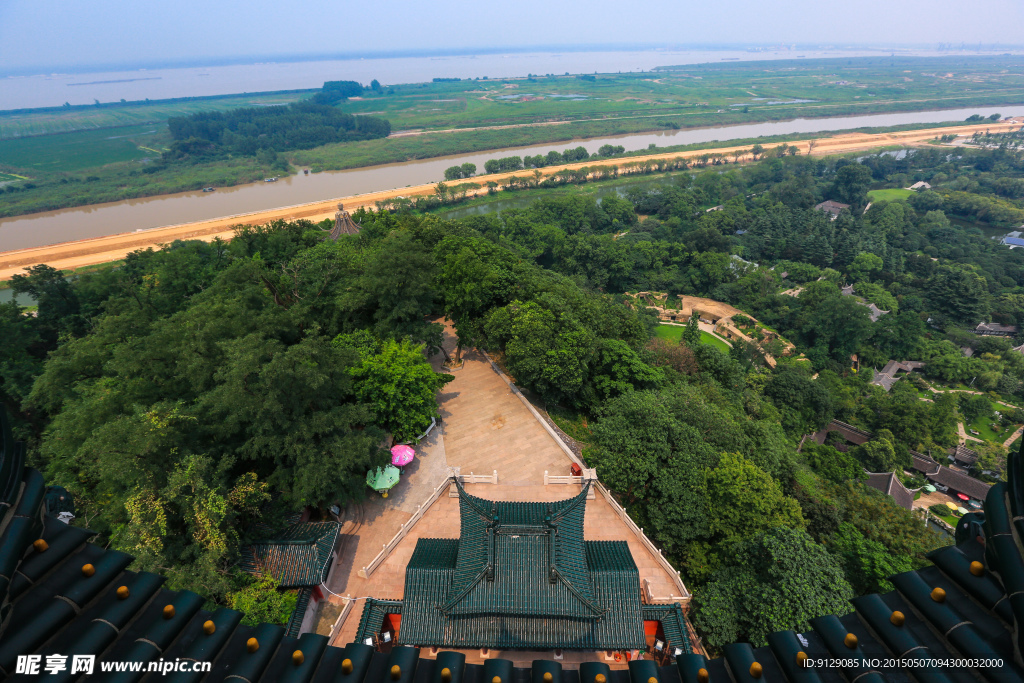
{"type": "Point", "coordinates": [132, 215]}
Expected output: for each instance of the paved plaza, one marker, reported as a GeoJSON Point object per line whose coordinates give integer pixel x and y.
{"type": "Point", "coordinates": [485, 427]}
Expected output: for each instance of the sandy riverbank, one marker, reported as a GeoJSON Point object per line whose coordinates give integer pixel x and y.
{"type": "Point", "coordinates": [70, 255]}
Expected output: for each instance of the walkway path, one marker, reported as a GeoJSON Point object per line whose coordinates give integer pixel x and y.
{"type": "Point", "coordinates": [964, 436]}
{"type": "Point", "coordinates": [485, 427]}
{"type": "Point", "coordinates": [1014, 436]}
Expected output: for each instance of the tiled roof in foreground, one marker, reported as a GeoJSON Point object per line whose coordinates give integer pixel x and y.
{"type": "Point", "coordinates": [68, 596]}
{"type": "Point", "coordinates": [298, 557]}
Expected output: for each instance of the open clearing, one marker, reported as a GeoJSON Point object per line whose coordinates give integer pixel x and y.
{"type": "Point", "coordinates": [889, 195]}
{"type": "Point", "coordinates": [674, 333]}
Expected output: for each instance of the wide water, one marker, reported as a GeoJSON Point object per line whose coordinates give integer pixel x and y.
{"type": "Point", "coordinates": [140, 214]}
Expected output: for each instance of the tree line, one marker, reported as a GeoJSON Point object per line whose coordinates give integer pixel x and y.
{"type": "Point", "coordinates": [246, 131]}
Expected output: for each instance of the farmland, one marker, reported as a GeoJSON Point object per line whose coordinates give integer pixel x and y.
{"type": "Point", "coordinates": [70, 152]}
{"type": "Point", "coordinates": [111, 146]}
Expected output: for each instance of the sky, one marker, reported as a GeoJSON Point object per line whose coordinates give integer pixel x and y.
{"type": "Point", "coordinates": [74, 34]}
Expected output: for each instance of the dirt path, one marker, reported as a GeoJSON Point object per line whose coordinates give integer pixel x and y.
{"type": "Point", "coordinates": [70, 255]}
{"type": "Point", "coordinates": [964, 436]}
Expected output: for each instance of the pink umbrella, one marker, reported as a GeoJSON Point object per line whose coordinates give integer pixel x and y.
{"type": "Point", "coordinates": [402, 455]}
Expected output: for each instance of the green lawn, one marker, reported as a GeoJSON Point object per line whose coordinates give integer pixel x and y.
{"type": "Point", "coordinates": [83, 149]}
{"type": "Point", "coordinates": [675, 333]}
{"type": "Point", "coordinates": [985, 432]}
{"type": "Point", "coordinates": [889, 195]}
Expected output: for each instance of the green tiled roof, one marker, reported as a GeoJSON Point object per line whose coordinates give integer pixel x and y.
{"type": "Point", "coordinates": [299, 557]}
{"type": "Point", "coordinates": [521, 576]}
{"type": "Point", "coordinates": [673, 623]}
{"type": "Point", "coordinates": [299, 613]}
{"type": "Point", "coordinates": [524, 559]}
{"type": "Point", "coordinates": [372, 618]}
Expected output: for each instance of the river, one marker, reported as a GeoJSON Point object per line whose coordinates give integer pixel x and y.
{"type": "Point", "coordinates": [151, 212]}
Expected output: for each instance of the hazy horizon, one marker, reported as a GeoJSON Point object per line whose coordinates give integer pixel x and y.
{"type": "Point", "coordinates": [110, 34]}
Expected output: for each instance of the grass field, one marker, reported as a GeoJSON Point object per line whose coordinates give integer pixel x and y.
{"type": "Point", "coordinates": [985, 432]}
{"type": "Point", "coordinates": [83, 150]}
{"type": "Point", "coordinates": [675, 333]}
{"type": "Point", "coordinates": [889, 195]}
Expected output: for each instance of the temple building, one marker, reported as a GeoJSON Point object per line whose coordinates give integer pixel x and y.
{"type": "Point", "coordinates": [521, 576]}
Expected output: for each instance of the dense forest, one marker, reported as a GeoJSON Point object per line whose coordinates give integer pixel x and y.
{"type": "Point", "coordinates": [247, 131]}
{"type": "Point", "coordinates": [180, 394]}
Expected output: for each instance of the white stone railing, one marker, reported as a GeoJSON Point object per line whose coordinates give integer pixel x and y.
{"type": "Point", "coordinates": [684, 595]}
{"type": "Point", "coordinates": [588, 475]}
{"type": "Point", "coordinates": [470, 478]}
{"type": "Point", "coordinates": [403, 530]}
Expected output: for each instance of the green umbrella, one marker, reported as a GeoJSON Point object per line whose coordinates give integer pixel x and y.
{"type": "Point", "coordinates": [382, 479]}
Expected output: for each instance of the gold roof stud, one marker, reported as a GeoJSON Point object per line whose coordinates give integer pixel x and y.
{"type": "Point", "coordinates": [88, 570]}
{"type": "Point", "coordinates": [209, 627]}
{"type": "Point", "coordinates": [755, 670]}
{"type": "Point", "coordinates": [346, 666]}
{"type": "Point", "coordinates": [652, 679]}
{"type": "Point", "coordinates": [40, 545]}
{"type": "Point", "coordinates": [298, 658]}
{"type": "Point", "coordinates": [850, 641]}
{"type": "Point", "coordinates": [977, 568]}
{"type": "Point", "coordinates": [938, 595]}
{"type": "Point", "coordinates": [703, 676]}
{"type": "Point", "coordinates": [496, 679]}
{"type": "Point", "coordinates": [548, 677]}
{"type": "Point", "coordinates": [801, 658]}
{"type": "Point", "coordinates": [252, 645]}
{"type": "Point", "coordinates": [168, 611]}
{"type": "Point", "coordinates": [396, 672]}
{"type": "Point", "coordinates": [599, 678]}
{"type": "Point", "coordinates": [897, 618]}
{"type": "Point", "coordinates": [446, 675]}
{"type": "Point", "coordinates": [123, 593]}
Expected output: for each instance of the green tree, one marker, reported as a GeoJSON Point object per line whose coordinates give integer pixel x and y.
{"type": "Point", "coordinates": [474, 276]}
{"type": "Point", "coordinates": [960, 294]}
{"type": "Point", "coordinates": [975, 407]}
{"type": "Point", "coordinates": [867, 563]}
{"type": "Point", "coordinates": [187, 529]}
{"type": "Point", "coordinates": [547, 352]}
{"type": "Point", "coordinates": [880, 453]}
{"type": "Point", "coordinates": [865, 267]}
{"type": "Point", "coordinates": [779, 580]}
{"type": "Point", "coordinates": [851, 184]}
{"type": "Point", "coordinates": [832, 464]}
{"type": "Point", "coordinates": [398, 384]}
{"type": "Point", "coordinates": [691, 333]}
{"type": "Point", "coordinates": [262, 601]}
{"type": "Point", "coordinates": [744, 500]}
